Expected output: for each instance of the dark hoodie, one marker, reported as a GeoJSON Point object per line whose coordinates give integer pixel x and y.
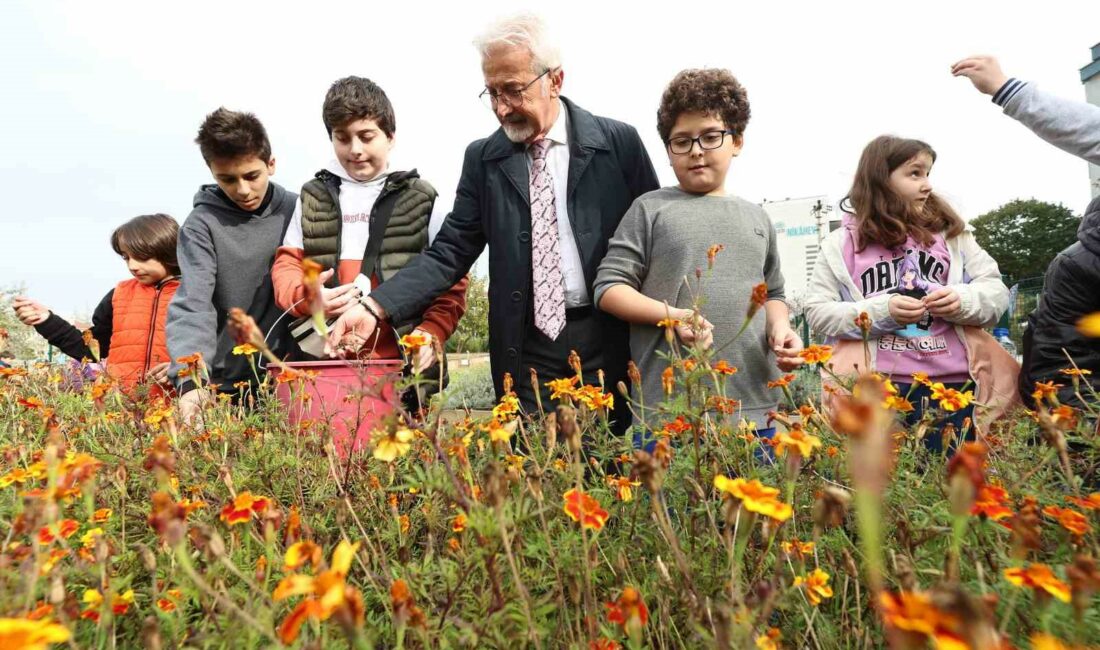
{"type": "Point", "coordinates": [1071, 289]}
{"type": "Point", "coordinates": [225, 256]}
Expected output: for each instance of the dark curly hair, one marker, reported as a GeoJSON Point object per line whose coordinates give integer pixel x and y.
{"type": "Point", "coordinates": [712, 91]}
{"type": "Point", "coordinates": [228, 135]}
{"type": "Point", "coordinates": [357, 98]}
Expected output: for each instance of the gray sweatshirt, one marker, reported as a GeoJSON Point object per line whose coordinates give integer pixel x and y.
{"type": "Point", "coordinates": [1072, 126]}
{"type": "Point", "coordinates": [659, 244]}
{"type": "Point", "coordinates": [225, 257]}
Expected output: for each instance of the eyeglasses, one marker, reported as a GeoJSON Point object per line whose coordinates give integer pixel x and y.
{"type": "Point", "coordinates": [707, 141]}
{"type": "Point", "coordinates": [510, 96]}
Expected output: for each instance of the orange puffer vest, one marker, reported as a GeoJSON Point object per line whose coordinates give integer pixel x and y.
{"type": "Point", "coordinates": [137, 329]}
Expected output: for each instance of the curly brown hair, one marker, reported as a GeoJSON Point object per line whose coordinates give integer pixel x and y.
{"type": "Point", "coordinates": [881, 215]}
{"type": "Point", "coordinates": [711, 91]}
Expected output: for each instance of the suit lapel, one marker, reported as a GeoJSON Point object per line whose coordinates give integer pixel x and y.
{"type": "Point", "coordinates": [515, 168]}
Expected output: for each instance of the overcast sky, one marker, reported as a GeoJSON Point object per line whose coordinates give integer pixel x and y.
{"type": "Point", "coordinates": [101, 100]}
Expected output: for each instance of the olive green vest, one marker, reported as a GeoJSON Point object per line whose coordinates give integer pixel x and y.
{"type": "Point", "coordinates": [405, 198]}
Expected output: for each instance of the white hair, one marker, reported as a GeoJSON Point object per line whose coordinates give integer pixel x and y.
{"type": "Point", "coordinates": [522, 30]}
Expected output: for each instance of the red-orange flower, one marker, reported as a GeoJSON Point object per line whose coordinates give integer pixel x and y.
{"type": "Point", "coordinates": [243, 507]}
{"type": "Point", "coordinates": [782, 382]}
{"type": "Point", "coordinates": [817, 354]}
{"type": "Point", "coordinates": [723, 368]}
{"type": "Point", "coordinates": [63, 529]}
{"type": "Point", "coordinates": [1040, 579]}
{"type": "Point", "coordinates": [759, 297]}
{"type": "Point", "coordinates": [1091, 502]}
{"type": "Point", "coordinates": [628, 609]}
{"type": "Point", "coordinates": [585, 509]}
{"type": "Point", "coordinates": [990, 503]}
{"type": "Point", "coordinates": [1071, 520]}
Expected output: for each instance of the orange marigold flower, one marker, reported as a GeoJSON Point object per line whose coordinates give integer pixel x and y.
{"type": "Point", "coordinates": [797, 548]}
{"type": "Point", "coordinates": [754, 496]}
{"type": "Point", "coordinates": [31, 402]}
{"type": "Point", "coordinates": [27, 634]}
{"type": "Point", "coordinates": [921, 378]}
{"type": "Point", "coordinates": [898, 403]}
{"type": "Point", "coordinates": [723, 368]}
{"type": "Point", "coordinates": [458, 524]}
{"type": "Point", "coordinates": [712, 252]}
{"type": "Point", "coordinates": [667, 382]}
{"type": "Point", "coordinates": [759, 297]}
{"type": "Point", "coordinates": [604, 644]}
{"type": "Point", "coordinates": [628, 609]}
{"type": "Point", "coordinates": [915, 612]}
{"type": "Point", "coordinates": [669, 323]}
{"type": "Point", "coordinates": [563, 387]}
{"type": "Point", "coordinates": [1040, 579]}
{"type": "Point", "coordinates": [1071, 520]}
{"type": "Point", "coordinates": [951, 399]}
{"type": "Point", "coordinates": [1045, 390]}
{"type": "Point", "coordinates": [676, 427]}
{"type": "Point", "coordinates": [1075, 372]}
{"type": "Point", "coordinates": [404, 605]}
{"type": "Point", "coordinates": [623, 486]}
{"type": "Point", "coordinates": [584, 509]}
{"type": "Point", "coordinates": [1091, 502]}
{"type": "Point", "coordinates": [817, 354]}
{"type": "Point", "coordinates": [413, 342]}
{"type": "Point", "coordinates": [769, 640]}
{"type": "Point", "coordinates": [243, 507]}
{"type": "Point", "coordinates": [300, 553]}
{"type": "Point", "coordinates": [1090, 325]}
{"type": "Point", "coordinates": [816, 586]}
{"type": "Point", "coordinates": [63, 529]}
{"type": "Point", "coordinates": [102, 515]}
{"type": "Point", "coordinates": [326, 593]}
{"type": "Point", "coordinates": [990, 503]}
{"type": "Point", "coordinates": [796, 439]}
{"type": "Point", "coordinates": [782, 382]}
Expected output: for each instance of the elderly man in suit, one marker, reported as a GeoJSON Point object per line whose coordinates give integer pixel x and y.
{"type": "Point", "coordinates": [545, 192]}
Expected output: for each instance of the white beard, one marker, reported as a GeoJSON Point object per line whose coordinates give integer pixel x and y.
{"type": "Point", "coordinates": [518, 131]}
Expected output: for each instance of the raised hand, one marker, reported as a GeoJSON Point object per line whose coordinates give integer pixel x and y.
{"type": "Point", "coordinates": [982, 71]}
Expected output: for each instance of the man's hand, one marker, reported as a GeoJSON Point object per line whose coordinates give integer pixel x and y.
{"type": "Point", "coordinates": [982, 71]}
{"type": "Point", "coordinates": [158, 374]}
{"type": "Point", "coordinates": [693, 330]}
{"type": "Point", "coordinates": [29, 312]}
{"type": "Point", "coordinates": [192, 403]}
{"type": "Point", "coordinates": [944, 302]}
{"type": "Point", "coordinates": [786, 344]}
{"type": "Point", "coordinates": [905, 310]}
{"type": "Point", "coordinates": [356, 324]}
{"type": "Point", "coordinates": [337, 300]}
{"type": "Point", "coordinates": [425, 356]}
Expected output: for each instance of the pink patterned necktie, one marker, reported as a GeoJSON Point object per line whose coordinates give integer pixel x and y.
{"type": "Point", "coordinates": [545, 255]}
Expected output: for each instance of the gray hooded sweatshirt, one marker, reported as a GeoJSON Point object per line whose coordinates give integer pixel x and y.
{"type": "Point", "coordinates": [225, 257]}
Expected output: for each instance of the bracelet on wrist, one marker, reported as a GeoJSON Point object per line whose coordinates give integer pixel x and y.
{"type": "Point", "coordinates": [370, 310]}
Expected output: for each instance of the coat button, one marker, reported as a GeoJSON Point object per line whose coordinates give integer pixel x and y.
{"type": "Point", "coordinates": [517, 296]}
{"type": "Point", "coordinates": [525, 236]}
{"type": "Point", "coordinates": [512, 352]}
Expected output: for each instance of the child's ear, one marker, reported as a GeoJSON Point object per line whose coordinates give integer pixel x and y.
{"type": "Point", "coordinates": [738, 142]}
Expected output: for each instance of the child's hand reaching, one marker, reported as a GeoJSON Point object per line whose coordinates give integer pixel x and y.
{"type": "Point", "coordinates": [29, 312]}
{"type": "Point", "coordinates": [338, 299]}
{"type": "Point", "coordinates": [982, 71]}
{"type": "Point", "coordinates": [786, 344]}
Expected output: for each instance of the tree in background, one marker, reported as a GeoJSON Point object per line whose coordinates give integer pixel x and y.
{"type": "Point", "coordinates": [472, 333]}
{"type": "Point", "coordinates": [1025, 235]}
{"type": "Point", "coordinates": [22, 342]}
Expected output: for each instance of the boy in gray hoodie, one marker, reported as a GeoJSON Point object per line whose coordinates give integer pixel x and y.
{"type": "Point", "coordinates": [1070, 285]}
{"type": "Point", "coordinates": [226, 249]}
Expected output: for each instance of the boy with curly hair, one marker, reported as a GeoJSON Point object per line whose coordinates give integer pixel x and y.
{"type": "Point", "coordinates": [649, 272]}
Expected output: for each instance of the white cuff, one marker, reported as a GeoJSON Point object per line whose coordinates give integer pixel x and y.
{"type": "Point", "coordinates": [363, 283]}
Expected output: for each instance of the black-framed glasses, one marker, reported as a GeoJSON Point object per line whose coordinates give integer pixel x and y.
{"type": "Point", "coordinates": [707, 141]}
{"type": "Point", "coordinates": [511, 96]}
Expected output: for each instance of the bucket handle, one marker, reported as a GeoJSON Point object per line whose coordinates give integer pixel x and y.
{"type": "Point", "coordinates": [262, 365]}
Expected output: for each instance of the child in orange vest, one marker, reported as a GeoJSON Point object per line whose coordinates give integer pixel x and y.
{"type": "Point", "coordinates": [128, 324]}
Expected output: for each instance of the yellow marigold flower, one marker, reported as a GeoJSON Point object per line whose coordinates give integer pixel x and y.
{"type": "Point", "coordinates": [102, 515]}
{"type": "Point", "coordinates": [245, 349]}
{"type": "Point", "coordinates": [507, 408]}
{"type": "Point", "coordinates": [921, 378]}
{"type": "Point", "coordinates": [300, 553]}
{"type": "Point", "coordinates": [898, 403]}
{"type": "Point", "coordinates": [389, 446]}
{"type": "Point", "coordinates": [951, 399]}
{"type": "Point", "coordinates": [816, 586]}
{"type": "Point", "coordinates": [623, 486]}
{"type": "Point", "coordinates": [668, 323]}
{"type": "Point", "coordinates": [26, 634]}
{"type": "Point", "coordinates": [797, 548]}
{"type": "Point", "coordinates": [1040, 579]}
{"type": "Point", "coordinates": [563, 387]}
{"type": "Point", "coordinates": [667, 382]}
{"type": "Point", "coordinates": [1075, 372]}
{"type": "Point", "coordinates": [88, 539]}
{"type": "Point", "coordinates": [769, 640]}
{"type": "Point", "coordinates": [755, 497]}
{"type": "Point", "coordinates": [1090, 325]}
{"type": "Point", "coordinates": [796, 439]}
{"type": "Point", "coordinates": [914, 611]}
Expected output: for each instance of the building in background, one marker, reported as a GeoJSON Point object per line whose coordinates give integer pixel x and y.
{"type": "Point", "coordinates": [800, 225]}
{"type": "Point", "coordinates": [1090, 76]}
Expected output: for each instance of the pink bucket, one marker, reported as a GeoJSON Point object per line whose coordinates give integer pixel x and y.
{"type": "Point", "coordinates": [348, 395]}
